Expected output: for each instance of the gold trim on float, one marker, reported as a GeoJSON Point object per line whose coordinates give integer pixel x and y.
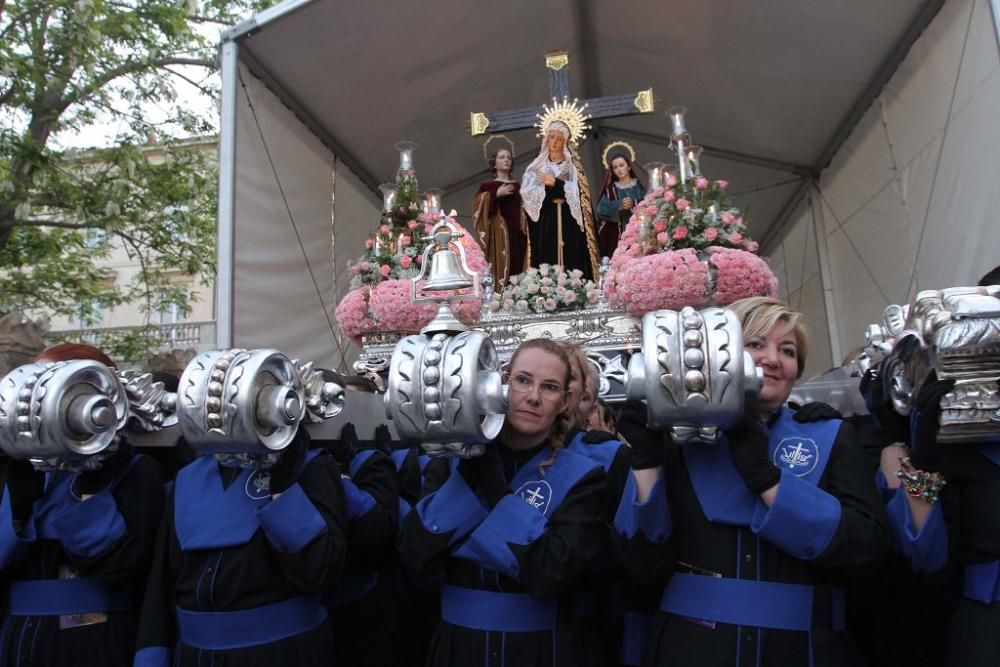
{"type": "Point", "coordinates": [556, 60]}
{"type": "Point", "coordinates": [478, 122]}
{"type": "Point", "coordinates": [644, 101]}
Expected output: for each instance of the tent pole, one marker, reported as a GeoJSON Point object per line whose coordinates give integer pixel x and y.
{"type": "Point", "coordinates": [825, 276]}
{"type": "Point", "coordinates": [224, 282]}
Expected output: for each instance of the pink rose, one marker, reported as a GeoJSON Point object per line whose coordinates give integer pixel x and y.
{"type": "Point", "coordinates": [369, 243]}
{"type": "Point", "coordinates": [428, 227]}
{"type": "Point", "coordinates": [681, 232]}
{"type": "Point", "coordinates": [728, 218]}
{"type": "Point", "coordinates": [651, 210]}
{"type": "Point", "coordinates": [671, 181]}
{"type": "Point", "coordinates": [752, 246]}
{"type": "Point", "coordinates": [405, 261]}
{"type": "Point", "coordinates": [365, 266]}
{"type": "Point", "coordinates": [721, 184]}
{"type": "Point", "coordinates": [412, 224]}
{"type": "Point", "coordinates": [701, 183]}
{"type": "Point", "coordinates": [404, 240]}
{"type": "Point", "coordinates": [736, 238]}
{"type": "Point", "coordinates": [384, 229]}
{"type": "Point", "coordinates": [355, 269]}
{"type": "Point", "coordinates": [385, 270]}
{"type": "Point", "coordinates": [683, 204]}
{"type": "Point", "coordinates": [660, 226]}
{"type": "Point", "coordinates": [420, 259]}
{"type": "Point", "coordinates": [711, 233]}
{"type": "Point", "coordinates": [662, 238]}
{"type": "Point", "coordinates": [670, 197]}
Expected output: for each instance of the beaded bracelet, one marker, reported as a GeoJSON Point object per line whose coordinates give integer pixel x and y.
{"type": "Point", "coordinates": [920, 483]}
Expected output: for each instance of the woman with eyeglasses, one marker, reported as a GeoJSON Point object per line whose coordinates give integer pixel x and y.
{"type": "Point", "coordinates": [512, 530]}
{"type": "Point", "coordinates": [752, 536]}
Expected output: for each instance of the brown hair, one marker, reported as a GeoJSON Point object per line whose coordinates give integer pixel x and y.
{"type": "Point", "coordinates": [73, 352]}
{"type": "Point", "coordinates": [493, 159]}
{"type": "Point", "coordinates": [560, 427]}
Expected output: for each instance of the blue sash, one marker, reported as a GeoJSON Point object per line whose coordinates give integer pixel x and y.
{"type": "Point", "coordinates": [982, 582]}
{"type": "Point", "coordinates": [58, 498]}
{"type": "Point", "coordinates": [496, 612]}
{"type": "Point", "coordinates": [799, 449]}
{"type": "Point", "coordinates": [223, 630]}
{"type": "Point", "coordinates": [602, 452]}
{"type": "Point", "coordinates": [760, 604]}
{"type": "Point", "coordinates": [208, 515]}
{"type": "Point", "coordinates": [359, 460]}
{"type": "Point", "coordinates": [55, 597]}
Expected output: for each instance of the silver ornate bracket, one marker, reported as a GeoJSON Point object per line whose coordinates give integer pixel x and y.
{"type": "Point", "coordinates": [956, 333]}
{"type": "Point", "coordinates": [693, 372]}
{"type": "Point", "coordinates": [58, 414]}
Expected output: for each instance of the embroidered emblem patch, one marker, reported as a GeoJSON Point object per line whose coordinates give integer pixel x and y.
{"type": "Point", "coordinates": [537, 494]}
{"type": "Point", "coordinates": [798, 456]}
{"type": "Point", "coordinates": [258, 485]}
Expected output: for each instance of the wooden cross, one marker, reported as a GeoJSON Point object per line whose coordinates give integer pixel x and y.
{"type": "Point", "coordinates": [557, 63]}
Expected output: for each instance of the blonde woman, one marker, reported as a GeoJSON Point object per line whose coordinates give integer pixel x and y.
{"type": "Point", "coordinates": [751, 536]}
{"type": "Point", "coordinates": [512, 530]}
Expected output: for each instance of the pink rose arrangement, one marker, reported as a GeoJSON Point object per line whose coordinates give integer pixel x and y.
{"type": "Point", "coordinates": [686, 246]}
{"type": "Point", "coordinates": [383, 277]}
{"type": "Point", "coordinates": [353, 316]}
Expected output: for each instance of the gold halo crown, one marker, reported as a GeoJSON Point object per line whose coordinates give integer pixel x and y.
{"type": "Point", "coordinates": [571, 114]}
{"type": "Point", "coordinates": [624, 144]}
{"type": "Point", "coordinates": [508, 144]}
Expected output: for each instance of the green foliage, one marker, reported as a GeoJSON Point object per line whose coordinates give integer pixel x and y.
{"type": "Point", "coordinates": [66, 65]}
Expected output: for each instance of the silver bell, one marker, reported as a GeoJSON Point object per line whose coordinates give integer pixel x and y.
{"type": "Point", "coordinates": [446, 273]}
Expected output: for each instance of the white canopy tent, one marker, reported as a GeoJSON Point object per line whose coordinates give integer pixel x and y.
{"type": "Point", "coordinates": [316, 92]}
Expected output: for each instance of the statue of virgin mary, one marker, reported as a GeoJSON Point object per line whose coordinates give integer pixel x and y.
{"type": "Point", "coordinates": [557, 201]}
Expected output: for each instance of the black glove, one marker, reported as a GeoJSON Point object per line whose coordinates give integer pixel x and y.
{"type": "Point", "coordinates": [25, 485]}
{"type": "Point", "coordinates": [90, 482]}
{"type": "Point", "coordinates": [485, 473]}
{"type": "Point", "coordinates": [815, 412]}
{"type": "Point", "coordinates": [285, 471]}
{"type": "Point", "coordinates": [383, 439]}
{"type": "Point", "coordinates": [345, 448]}
{"type": "Point", "coordinates": [492, 482]}
{"type": "Point", "coordinates": [597, 436]}
{"type": "Point", "coordinates": [648, 450]}
{"type": "Point", "coordinates": [893, 425]}
{"type": "Point", "coordinates": [748, 445]}
{"type": "Point", "coordinates": [925, 451]}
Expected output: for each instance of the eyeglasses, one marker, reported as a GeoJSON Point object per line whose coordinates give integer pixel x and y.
{"type": "Point", "coordinates": [522, 384]}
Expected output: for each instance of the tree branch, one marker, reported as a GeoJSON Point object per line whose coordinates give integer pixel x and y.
{"type": "Point", "coordinates": [194, 83]}
{"type": "Point", "coordinates": [56, 223]}
{"type": "Point", "coordinates": [130, 67]}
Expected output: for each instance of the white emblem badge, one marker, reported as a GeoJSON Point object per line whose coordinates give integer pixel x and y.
{"type": "Point", "coordinates": [798, 456]}
{"type": "Point", "coordinates": [537, 494]}
{"type": "Point", "coordinates": [258, 484]}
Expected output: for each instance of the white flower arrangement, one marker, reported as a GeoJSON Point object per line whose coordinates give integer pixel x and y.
{"type": "Point", "coordinates": [546, 289]}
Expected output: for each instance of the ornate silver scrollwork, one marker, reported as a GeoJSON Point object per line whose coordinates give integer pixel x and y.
{"type": "Point", "coordinates": [692, 372]}
{"type": "Point", "coordinates": [956, 333]}
{"type": "Point", "coordinates": [446, 392]}
{"type": "Point", "coordinates": [56, 413]}
{"type": "Point", "coordinates": [324, 399]}
{"type": "Point", "coordinates": [240, 401]}
{"type": "Point", "coordinates": [151, 407]}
